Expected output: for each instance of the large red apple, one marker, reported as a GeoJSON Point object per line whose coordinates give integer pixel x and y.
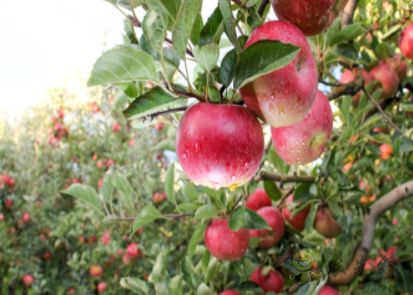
{"type": "Point", "coordinates": [28, 280]}
{"type": "Point", "coordinates": [133, 251]}
{"type": "Point", "coordinates": [388, 78]}
{"type": "Point", "coordinates": [325, 224]}
{"type": "Point", "coordinates": [257, 200]}
{"type": "Point", "coordinates": [26, 217]}
{"type": "Point", "coordinates": [102, 287]}
{"type": "Point", "coordinates": [406, 41]}
{"type": "Point", "coordinates": [327, 290]}
{"type": "Point", "coordinates": [399, 65]}
{"type": "Point", "coordinates": [272, 282]}
{"type": "Point", "coordinates": [275, 220]}
{"type": "Point", "coordinates": [312, 17]}
{"type": "Point", "coordinates": [304, 142]}
{"type": "Point", "coordinates": [348, 77]}
{"type": "Point", "coordinates": [284, 96]}
{"type": "Point", "coordinates": [298, 221]}
{"type": "Point", "coordinates": [225, 244]}
{"type": "Point", "coordinates": [219, 145]}
{"type": "Point", "coordinates": [96, 270]}
{"type": "Point", "coordinates": [230, 292]}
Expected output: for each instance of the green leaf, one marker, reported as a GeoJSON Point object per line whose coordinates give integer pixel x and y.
{"type": "Point", "coordinates": [169, 183]}
{"type": "Point", "coordinates": [129, 89]}
{"type": "Point", "coordinates": [262, 58]}
{"type": "Point", "coordinates": [254, 19]}
{"type": "Point", "coordinates": [159, 268]}
{"type": "Point", "coordinates": [171, 57]}
{"type": "Point", "coordinates": [205, 261]}
{"type": "Point", "coordinates": [347, 52]}
{"type": "Point", "coordinates": [175, 285]}
{"type": "Point", "coordinates": [249, 286]}
{"type": "Point", "coordinates": [188, 206]}
{"type": "Point", "coordinates": [190, 192]}
{"type": "Point", "coordinates": [392, 31]}
{"type": "Point", "coordinates": [214, 194]}
{"type": "Point", "coordinates": [154, 26]}
{"type": "Point", "coordinates": [350, 32]}
{"type": "Point", "coordinates": [188, 273]}
{"type": "Point", "coordinates": [247, 219]}
{"type": "Point", "coordinates": [161, 289]}
{"type": "Point", "coordinates": [212, 28]}
{"type": "Point", "coordinates": [407, 107]}
{"type": "Point", "coordinates": [206, 211]}
{"type": "Point", "coordinates": [150, 102]}
{"type": "Point", "coordinates": [196, 30]}
{"type": "Point", "coordinates": [120, 182]}
{"type": "Point", "coordinates": [203, 289]}
{"type": "Point", "coordinates": [129, 33]}
{"type": "Point", "coordinates": [228, 18]}
{"type": "Point", "coordinates": [196, 238]}
{"type": "Point", "coordinates": [396, 147]}
{"type": "Point", "coordinates": [166, 7]}
{"type": "Point", "coordinates": [211, 270]}
{"type": "Point", "coordinates": [136, 285]}
{"type": "Point", "coordinates": [278, 163]}
{"type": "Point", "coordinates": [123, 64]}
{"type": "Point", "coordinates": [406, 144]}
{"type": "Point", "coordinates": [272, 190]}
{"type": "Point", "coordinates": [107, 188]}
{"type": "Point", "coordinates": [207, 56]}
{"type": "Point", "coordinates": [345, 105]}
{"type": "Point", "coordinates": [228, 66]}
{"type": "Point", "coordinates": [147, 215]}
{"type": "Point", "coordinates": [85, 193]}
{"type": "Point", "coordinates": [184, 24]}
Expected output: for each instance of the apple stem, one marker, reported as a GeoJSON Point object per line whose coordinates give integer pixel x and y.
{"type": "Point", "coordinates": [281, 203]}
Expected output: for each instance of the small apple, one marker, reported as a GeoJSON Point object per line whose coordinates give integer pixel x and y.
{"type": "Point", "coordinates": [133, 251]}
{"type": "Point", "coordinates": [100, 183]}
{"type": "Point", "coordinates": [102, 287]}
{"type": "Point", "coordinates": [110, 162]}
{"type": "Point", "coordinates": [209, 150]}
{"type": "Point", "coordinates": [229, 292]}
{"type": "Point", "coordinates": [8, 204]}
{"type": "Point", "coordinates": [406, 41]}
{"type": "Point", "coordinates": [116, 127]}
{"type": "Point", "coordinates": [5, 179]}
{"type": "Point", "coordinates": [388, 78]}
{"type": "Point", "coordinates": [312, 17]}
{"type": "Point", "coordinates": [71, 291]}
{"type": "Point", "coordinates": [327, 290]}
{"type": "Point", "coordinates": [105, 239]}
{"type": "Point", "coordinates": [399, 65]}
{"type": "Point", "coordinates": [347, 167]}
{"type": "Point", "coordinates": [369, 264]}
{"type": "Point", "coordinates": [158, 126]}
{"type": "Point", "coordinates": [298, 221]}
{"type": "Point", "coordinates": [304, 142]}
{"type": "Point", "coordinates": [28, 280]}
{"type": "Point", "coordinates": [348, 77]}
{"type": "Point", "coordinates": [92, 239]}
{"type": "Point", "coordinates": [272, 282]}
{"type": "Point", "coordinates": [257, 200]}
{"type": "Point", "coordinates": [158, 197]}
{"type": "Point", "coordinates": [47, 256]}
{"type": "Point", "coordinates": [325, 224]}
{"type": "Point", "coordinates": [127, 260]}
{"type": "Point", "coordinates": [225, 244]}
{"type": "Point", "coordinates": [96, 270]}
{"type": "Point", "coordinates": [26, 217]}
{"type": "Point", "coordinates": [275, 220]}
{"type": "Point", "coordinates": [132, 142]}
{"type": "Point", "coordinates": [1, 216]}
{"type": "Point", "coordinates": [285, 96]}
{"type": "Point", "coordinates": [395, 222]}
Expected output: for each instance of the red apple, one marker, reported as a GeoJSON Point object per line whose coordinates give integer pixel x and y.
{"type": "Point", "coordinates": [105, 239]}
{"type": "Point", "coordinates": [399, 65]}
{"type": "Point", "coordinates": [158, 126]}
{"type": "Point", "coordinates": [387, 149]}
{"type": "Point", "coordinates": [71, 291]}
{"type": "Point", "coordinates": [96, 270]}
{"type": "Point", "coordinates": [102, 287]}
{"type": "Point", "coordinates": [116, 127]}
{"type": "Point", "coordinates": [312, 17]}
{"type": "Point", "coordinates": [11, 182]}
{"type": "Point", "coordinates": [133, 251]}
{"type": "Point", "coordinates": [222, 149]}
{"type": "Point", "coordinates": [92, 239]}
{"type": "Point", "coordinates": [298, 221]}
{"type": "Point", "coordinates": [388, 78]}
{"type": "Point", "coordinates": [272, 282]}
{"type": "Point", "coordinates": [275, 220]}
{"type": "Point", "coordinates": [100, 183]}
{"type": "Point", "coordinates": [1, 216]}
{"type": "Point", "coordinates": [257, 200]}
{"type": "Point", "coordinates": [132, 142]}
{"type": "Point", "coordinates": [8, 204]}
{"type": "Point", "coordinates": [158, 198]}
{"type": "Point", "coordinates": [225, 244]}
{"type": "Point", "coordinates": [47, 256]}
{"type": "Point", "coordinates": [284, 96]}
{"type": "Point", "coordinates": [110, 162]}
{"type": "Point", "coordinates": [406, 41]}
{"type": "Point", "coordinates": [127, 260]}
{"type": "Point", "coordinates": [325, 224]}
{"type": "Point", "coordinates": [348, 77]}
{"type": "Point", "coordinates": [327, 290]}
{"type": "Point", "coordinates": [5, 179]}
{"type": "Point", "coordinates": [394, 221]}
{"type": "Point", "coordinates": [304, 142]}
{"type": "Point", "coordinates": [369, 264]}
{"type": "Point", "coordinates": [26, 217]}
{"type": "Point", "coordinates": [230, 292]}
{"type": "Point", "coordinates": [28, 280]}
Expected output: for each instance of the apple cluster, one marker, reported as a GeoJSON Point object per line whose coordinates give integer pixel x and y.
{"type": "Point", "coordinates": [56, 130]}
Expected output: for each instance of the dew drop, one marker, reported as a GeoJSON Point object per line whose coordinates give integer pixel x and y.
{"type": "Point", "coordinates": [233, 177]}
{"type": "Point", "coordinates": [272, 97]}
{"type": "Point", "coordinates": [185, 157]}
{"type": "Point", "coordinates": [246, 164]}
{"type": "Point", "coordinates": [271, 108]}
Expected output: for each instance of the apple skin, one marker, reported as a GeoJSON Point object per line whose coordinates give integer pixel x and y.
{"type": "Point", "coordinates": [388, 78]}
{"type": "Point", "coordinates": [96, 270]}
{"type": "Point", "coordinates": [406, 41]}
{"type": "Point", "coordinates": [133, 251]}
{"type": "Point", "coordinates": [285, 96]}
{"type": "Point", "coordinates": [348, 77]}
{"type": "Point", "coordinates": [273, 281]}
{"type": "Point", "coordinates": [230, 292]}
{"type": "Point", "coordinates": [312, 17]}
{"type": "Point", "coordinates": [225, 244]}
{"type": "Point", "coordinates": [102, 287]}
{"type": "Point", "coordinates": [275, 220]}
{"type": "Point", "coordinates": [304, 142]}
{"type": "Point", "coordinates": [219, 145]}
{"type": "Point", "coordinates": [327, 290]}
{"type": "Point", "coordinates": [298, 221]}
{"type": "Point", "coordinates": [258, 200]}
{"type": "Point", "coordinates": [325, 224]}
{"type": "Point", "coordinates": [28, 280]}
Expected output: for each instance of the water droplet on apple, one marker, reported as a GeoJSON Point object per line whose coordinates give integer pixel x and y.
{"type": "Point", "coordinates": [185, 157]}
{"type": "Point", "coordinates": [271, 108]}
{"type": "Point", "coordinates": [272, 96]}
{"type": "Point", "coordinates": [197, 147]}
{"type": "Point", "coordinates": [233, 177]}
{"type": "Point", "coordinates": [246, 164]}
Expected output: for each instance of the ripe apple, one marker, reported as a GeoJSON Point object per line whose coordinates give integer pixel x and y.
{"type": "Point", "coordinates": [71, 290]}
{"type": "Point", "coordinates": [1, 216]}
{"type": "Point", "coordinates": [5, 179]}
{"type": "Point", "coordinates": [158, 197]}
{"type": "Point", "coordinates": [298, 221]}
{"type": "Point", "coordinates": [28, 280]}
{"type": "Point", "coordinates": [327, 290]}
{"type": "Point", "coordinates": [388, 78]}
{"type": "Point", "coordinates": [110, 162]}
{"type": "Point", "coordinates": [325, 224]}
{"type": "Point", "coordinates": [386, 151]}
{"type": "Point", "coordinates": [230, 292]}
{"type": "Point", "coordinates": [369, 264]}
{"type": "Point", "coordinates": [312, 17]}
{"type": "Point", "coordinates": [347, 167]}
{"type": "Point", "coordinates": [100, 183]}
{"type": "Point", "coordinates": [116, 127]}
{"type": "Point", "coordinates": [225, 244]}
{"type": "Point", "coordinates": [275, 220]}
{"type": "Point", "coordinates": [304, 142]}
{"type": "Point", "coordinates": [257, 200]}
{"type": "Point", "coordinates": [47, 256]}
{"type": "Point", "coordinates": [8, 204]}
{"type": "Point", "coordinates": [92, 239]}
{"type": "Point", "coordinates": [105, 239]}
{"type": "Point", "coordinates": [158, 126]}
{"type": "Point", "coordinates": [102, 287]}
{"type": "Point", "coordinates": [26, 217]}
{"type": "Point", "coordinates": [96, 270]}
{"type": "Point", "coordinates": [127, 260]}
{"type": "Point", "coordinates": [272, 282]}
{"type": "Point", "coordinates": [133, 251]}
{"type": "Point", "coordinates": [223, 149]}
{"type": "Point", "coordinates": [348, 77]}
{"type": "Point", "coordinates": [398, 64]}
{"type": "Point", "coordinates": [285, 96]}
{"type": "Point", "coordinates": [406, 41]}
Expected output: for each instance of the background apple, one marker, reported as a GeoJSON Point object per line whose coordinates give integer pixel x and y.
{"type": "Point", "coordinates": [133, 251]}
{"type": "Point", "coordinates": [406, 41]}
{"type": "Point", "coordinates": [258, 199]}
{"type": "Point", "coordinates": [275, 220]}
{"type": "Point", "coordinates": [327, 290]}
{"type": "Point", "coordinates": [298, 221]}
{"type": "Point", "coordinates": [26, 217]}
{"type": "Point", "coordinates": [102, 287]}
{"type": "Point", "coordinates": [312, 17]}
{"type": "Point", "coordinates": [348, 77]}
{"type": "Point", "coordinates": [284, 96]}
{"type": "Point", "coordinates": [28, 280]}
{"type": "Point", "coordinates": [303, 142]}
{"type": "Point", "coordinates": [96, 270]}
{"type": "Point", "coordinates": [388, 78]}
{"type": "Point", "coordinates": [230, 292]}
{"type": "Point", "coordinates": [325, 224]}
{"type": "Point", "coordinates": [272, 282]}
{"type": "Point", "coordinates": [222, 149]}
{"type": "Point", "coordinates": [225, 244]}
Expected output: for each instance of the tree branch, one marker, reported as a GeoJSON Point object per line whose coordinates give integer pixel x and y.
{"type": "Point", "coordinates": [263, 175]}
{"type": "Point", "coordinates": [348, 13]}
{"type": "Point", "coordinates": [170, 111]}
{"type": "Point", "coordinates": [262, 7]}
{"type": "Point", "coordinates": [350, 88]}
{"type": "Point", "coordinates": [163, 215]}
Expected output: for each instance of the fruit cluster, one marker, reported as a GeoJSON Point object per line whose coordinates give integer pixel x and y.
{"type": "Point", "coordinates": [56, 130]}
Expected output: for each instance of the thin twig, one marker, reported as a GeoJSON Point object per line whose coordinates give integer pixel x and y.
{"type": "Point", "coordinates": [348, 13]}
{"type": "Point", "coordinates": [262, 7]}
{"type": "Point", "coordinates": [163, 215]}
{"type": "Point", "coordinates": [350, 88]}
{"type": "Point", "coordinates": [170, 111]}
{"type": "Point", "coordinates": [283, 198]}
{"type": "Point", "coordinates": [329, 83]}
{"type": "Point", "coordinates": [263, 175]}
